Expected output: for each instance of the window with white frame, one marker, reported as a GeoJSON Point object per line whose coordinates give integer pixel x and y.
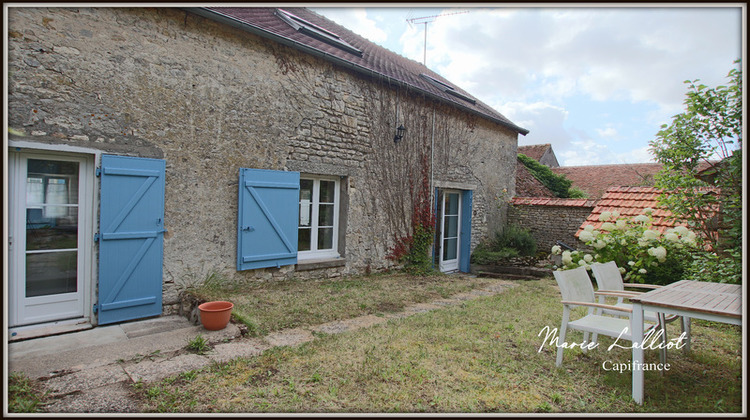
{"type": "Point", "coordinates": [318, 217]}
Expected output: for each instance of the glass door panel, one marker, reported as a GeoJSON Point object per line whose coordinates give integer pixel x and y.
{"type": "Point", "coordinates": [450, 230]}
{"type": "Point", "coordinates": [51, 227]}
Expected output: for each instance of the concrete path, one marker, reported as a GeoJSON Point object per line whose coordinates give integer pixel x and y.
{"type": "Point", "coordinates": [83, 377]}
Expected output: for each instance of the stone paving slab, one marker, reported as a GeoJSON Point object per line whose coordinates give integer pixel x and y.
{"type": "Point", "coordinates": [86, 379]}
{"type": "Point", "coordinates": [239, 348]}
{"type": "Point", "coordinates": [291, 337]}
{"type": "Point", "coordinates": [337, 327]}
{"type": "Point", "coordinates": [112, 398]}
{"type": "Point", "coordinates": [156, 370]}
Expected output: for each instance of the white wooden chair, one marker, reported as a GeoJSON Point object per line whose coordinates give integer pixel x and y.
{"type": "Point", "coordinates": [577, 290]}
{"type": "Point", "coordinates": [609, 279]}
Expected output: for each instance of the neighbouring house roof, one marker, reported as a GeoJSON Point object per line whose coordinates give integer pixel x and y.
{"type": "Point", "coordinates": [527, 185]}
{"type": "Point", "coordinates": [631, 202]}
{"type": "Point", "coordinates": [594, 180]}
{"type": "Point", "coordinates": [541, 153]}
{"type": "Point", "coordinates": [307, 31]}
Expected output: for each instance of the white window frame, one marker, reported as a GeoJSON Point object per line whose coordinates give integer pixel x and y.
{"type": "Point", "coordinates": [314, 253]}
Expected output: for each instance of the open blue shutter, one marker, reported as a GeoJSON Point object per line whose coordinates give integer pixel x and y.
{"type": "Point", "coordinates": [131, 238]}
{"type": "Point", "coordinates": [464, 259]}
{"type": "Point", "coordinates": [268, 218]}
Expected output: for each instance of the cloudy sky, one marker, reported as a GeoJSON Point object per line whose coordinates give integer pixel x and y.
{"type": "Point", "coordinates": [595, 82]}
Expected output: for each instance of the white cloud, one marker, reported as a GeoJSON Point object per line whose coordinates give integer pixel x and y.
{"type": "Point", "coordinates": [356, 20]}
{"type": "Point", "coordinates": [608, 132]}
{"type": "Point", "coordinates": [639, 54]}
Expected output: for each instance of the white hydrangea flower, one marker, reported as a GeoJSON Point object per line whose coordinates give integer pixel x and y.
{"type": "Point", "coordinates": [648, 210]}
{"type": "Point", "coordinates": [608, 226]}
{"type": "Point", "coordinates": [588, 228]}
{"type": "Point", "coordinates": [622, 270]}
{"type": "Point", "coordinates": [585, 236]}
{"type": "Point", "coordinates": [588, 258]}
{"type": "Point", "coordinates": [631, 263]}
{"type": "Point", "coordinates": [605, 216]}
{"type": "Point", "coordinates": [556, 250]}
{"type": "Point", "coordinates": [615, 214]}
{"type": "Point", "coordinates": [621, 224]}
{"type": "Point", "coordinates": [567, 259]}
{"type": "Point", "coordinates": [641, 218]}
{"type": "Point", "coordinates": [642, 271]}
{"type": "Point", "coordinates": [672, 237]}
{"type": "Point", "coordinates": [650, 234]}
{"type": "Point", "coordinates": [659, 252]}
{"type": "Point", "coordinates": [599, 244]}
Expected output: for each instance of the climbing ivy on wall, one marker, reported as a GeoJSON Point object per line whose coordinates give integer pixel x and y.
{"type": "Point", "coordinates": [558, 184]}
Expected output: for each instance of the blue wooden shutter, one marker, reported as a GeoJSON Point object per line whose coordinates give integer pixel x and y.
{"type": "Point", "coordinates": [268, 218]}
{"type": "Point", "coordinates": [464, 259]}
{"type": "Point", "coordinates": [131, 238]}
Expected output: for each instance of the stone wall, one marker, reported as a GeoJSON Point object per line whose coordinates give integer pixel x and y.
{"type": "Point", "coordinates": [549, 224]}
{"type": "Point", "coordinates": [210, 99]}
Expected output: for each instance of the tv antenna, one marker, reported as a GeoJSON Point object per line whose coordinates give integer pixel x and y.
{"type": "Point", "coordinates": [429, 19]}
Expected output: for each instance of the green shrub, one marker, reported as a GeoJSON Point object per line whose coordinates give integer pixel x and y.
{"type": "Point", "coordinates": [511, 242]}
{"type": "Point", "coordinates": [483, 254]}
{"type": "Point", "coordinates": [516, 238]}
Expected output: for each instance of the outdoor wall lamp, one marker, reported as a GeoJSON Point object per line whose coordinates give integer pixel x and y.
{"type": "Point", "coordinates": [399, 134]}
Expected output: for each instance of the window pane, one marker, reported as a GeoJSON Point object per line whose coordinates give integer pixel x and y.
{"type": "Point", "coordinates": [305, 189]}
{"type": "Point", "coordinates": [43, 232]}
{"type": "Point", "coordinates": [452, 204]}
{"type": "Point", "coordinates": [51, 273]}
{"type": "Point", "coordinates": [305, 201]}
{"type": "Point", "coordinates": [303, 241]}
{"type": "Point", "coordinates": [305, 210]}
{"type": "Point", "coordinates": [325, 238]}
{"type": "Point", "coordinates": [325, 215]}
{"type": "Point", "coordinates": [52, 182]}
{"type": "Point", "coordinates": [327, 191]}
{"type": "Point", "coordinates": [450, 246]}
{"type": "Point", "coordinates": [451, 226]}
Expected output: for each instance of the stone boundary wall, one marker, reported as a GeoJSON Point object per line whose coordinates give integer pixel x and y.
{"type": "Point", "coordinates": [551, 220]}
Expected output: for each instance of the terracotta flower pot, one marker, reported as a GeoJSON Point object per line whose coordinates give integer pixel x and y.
{"type": "Point", "coordinates": [215, 315]}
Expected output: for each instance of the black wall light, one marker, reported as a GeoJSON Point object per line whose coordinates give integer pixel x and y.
{"type": "Point", "coordinates": [399, 134]}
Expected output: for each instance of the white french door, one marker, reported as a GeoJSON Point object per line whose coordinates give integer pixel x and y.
{"type": "Point", "coordinates": [450, 219]}
{"type": "Point", "coordinates": [50, 209]}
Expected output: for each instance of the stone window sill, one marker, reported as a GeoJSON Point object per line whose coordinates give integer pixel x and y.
{"type": "Point", "coordinates": [317, 264]}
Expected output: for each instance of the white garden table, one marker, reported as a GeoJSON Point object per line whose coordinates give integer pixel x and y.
{"type": "Point", "coordinates": [690, 299]}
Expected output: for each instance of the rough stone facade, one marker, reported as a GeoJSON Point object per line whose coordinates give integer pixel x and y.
{"type": "Point", "coordinates": [549, 224]}
{"type": "Point", "coordinates": [210, 99]}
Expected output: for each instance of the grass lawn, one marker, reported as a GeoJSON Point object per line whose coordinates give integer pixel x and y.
{"type": "Point", "coordinates": [273, 306]}
{"type": "Point", "coordinates": [480, 356]}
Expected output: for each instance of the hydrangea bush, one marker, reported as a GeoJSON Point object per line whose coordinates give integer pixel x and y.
{"type": "Point", "coordinates": [643, 254]}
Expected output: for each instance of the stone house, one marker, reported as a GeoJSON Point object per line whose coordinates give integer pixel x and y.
{"type": "Point", "coordinates": [150, 148]}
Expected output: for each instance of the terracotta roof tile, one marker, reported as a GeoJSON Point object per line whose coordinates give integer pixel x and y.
{"type": "Point", "coordinates": [630, 202]}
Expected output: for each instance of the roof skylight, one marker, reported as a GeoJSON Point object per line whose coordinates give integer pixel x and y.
{"type": "Point", "coordinates": [447, 88]}
{"type": "Point", "coordinates": [316, 32]}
